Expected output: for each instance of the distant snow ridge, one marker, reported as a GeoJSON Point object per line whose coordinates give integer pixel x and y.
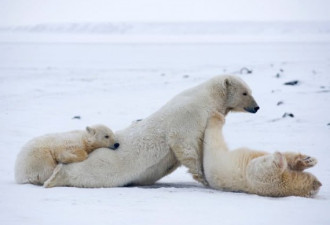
{"type": "Point", "coordinates": [181, 28]}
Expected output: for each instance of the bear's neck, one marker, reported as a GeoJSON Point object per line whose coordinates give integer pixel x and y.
{"type": "Point", "coordinates": [221, 106]}
{"type": "Point", "coordinates": [218, 98]}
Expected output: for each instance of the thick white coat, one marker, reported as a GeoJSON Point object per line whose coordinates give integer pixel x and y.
{"type": "Point", "coordinates": [157, 145]}
{"type": "Point", "coordinates": [254, 171]}
{"type": "Point", "coordinates": [38, 158]}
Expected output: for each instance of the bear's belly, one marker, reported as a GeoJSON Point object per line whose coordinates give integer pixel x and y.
{"type": "Point", "coordinates": [161, 168]}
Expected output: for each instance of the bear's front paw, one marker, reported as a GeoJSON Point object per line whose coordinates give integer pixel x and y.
{"type": "Point", "coordinates": [303, 162]}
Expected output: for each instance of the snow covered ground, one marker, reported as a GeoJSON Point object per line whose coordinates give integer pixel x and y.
{"type": "Point", "coordinates": [44, 85]}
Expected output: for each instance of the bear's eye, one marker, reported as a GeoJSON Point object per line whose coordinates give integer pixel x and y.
{"type": "Point", "coordinates": [244, 93]}
{"type": "Point", "coordinates": [106, 136]}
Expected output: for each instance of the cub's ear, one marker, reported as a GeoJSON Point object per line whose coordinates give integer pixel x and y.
{"type": "Point", "coordinates": [90, 130]}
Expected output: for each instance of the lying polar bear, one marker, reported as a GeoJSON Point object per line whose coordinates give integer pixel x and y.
{"type": "Point", "coordinates": [157, 145]}
{"type": "Point", "coordinates": [254, 171]}
{"type": "Point", "coordinates": [38, 158]}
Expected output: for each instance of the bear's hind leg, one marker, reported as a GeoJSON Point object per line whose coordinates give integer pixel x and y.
{"type": "Point", "coordinates": [50, 182]}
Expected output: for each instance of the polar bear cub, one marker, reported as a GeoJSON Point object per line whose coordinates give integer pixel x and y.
{"type": "Point", "coordinates": [38, 158]}
{"type": "Point", "coordinates": [278, 174]}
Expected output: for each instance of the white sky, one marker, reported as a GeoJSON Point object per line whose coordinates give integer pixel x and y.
{"type": "Point", "coordinates": [20, 12]}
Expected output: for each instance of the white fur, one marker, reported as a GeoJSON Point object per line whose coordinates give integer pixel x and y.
{"type": "Point", "coordinates": [157, 145]}
{"type": "Point", "coordinates": [38, 158]}
{"type": "Point", "coordinates": [255, 171]}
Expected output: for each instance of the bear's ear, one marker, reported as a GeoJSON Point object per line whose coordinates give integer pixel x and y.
{"type": "Point", "coordinates": [90, 130]}
{"type": "Point", "coordinates": [225, 84]}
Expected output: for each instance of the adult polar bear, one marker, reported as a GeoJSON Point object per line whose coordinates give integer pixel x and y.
{"type": "Point", "coordinates": [157, 145]}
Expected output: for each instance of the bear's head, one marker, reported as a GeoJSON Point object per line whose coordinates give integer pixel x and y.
{"type": "Point", "coordinates": [99, 136]}
{"type": "Point", "coordinates": [238, 95]}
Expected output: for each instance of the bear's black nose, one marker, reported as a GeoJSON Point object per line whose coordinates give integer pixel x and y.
{"type": "Point", "coordinates": [116, 145]}
{"type": "Point", "coordinates": [256, 108]}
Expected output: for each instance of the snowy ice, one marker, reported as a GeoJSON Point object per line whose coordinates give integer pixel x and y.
{"type": "Point", "coordinates": [45, 83]}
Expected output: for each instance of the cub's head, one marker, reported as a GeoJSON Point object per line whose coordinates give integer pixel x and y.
{"type": "Point", "coordinates": [238, 95]}
{"type": "Point", "coordinates": [100, 136]}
